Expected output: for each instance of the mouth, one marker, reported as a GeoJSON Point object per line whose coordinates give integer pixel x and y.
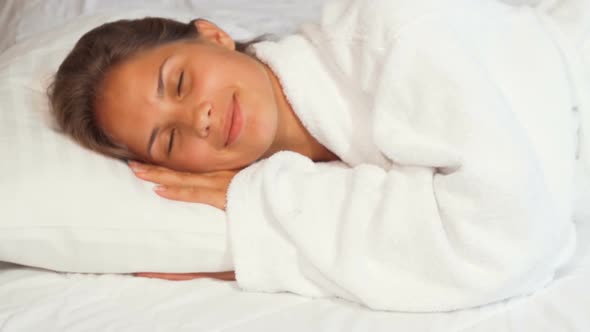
{"type": "Point", "coordinates": [233, 122]}
{"type": "Point", "coordinates": [227, 122]}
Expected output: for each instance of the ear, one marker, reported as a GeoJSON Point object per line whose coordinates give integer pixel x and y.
{"type": "Point", "coordinates": [214, 34]}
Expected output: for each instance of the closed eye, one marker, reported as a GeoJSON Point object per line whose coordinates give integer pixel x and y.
{"type": "Point", "coordinates": [171, 141]}
{"type": "Point", "coordinates": [179, 88]}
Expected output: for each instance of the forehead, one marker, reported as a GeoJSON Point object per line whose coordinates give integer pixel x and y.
{"type": "Point", "coordinates": [137, 73]}
{"type": "Point", "coordinates": [127, 98]}
{"type": "Point", "coordinates": [127, 87]}
{"type": "Point", "coordinates": [132, 72]}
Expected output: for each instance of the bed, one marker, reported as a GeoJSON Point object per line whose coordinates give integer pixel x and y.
{"type": "Point", "coordinates": [40, 300]}
{"type": "Point", "coordinates": [35, 299]}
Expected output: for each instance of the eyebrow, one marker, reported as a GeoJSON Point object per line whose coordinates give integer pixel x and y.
{"type": "Point", "coordinates": [160, 92]}
{"type": "Point", "coordinates": [160, 79]}
{"type": "Point", "coordinates": [153, 136]}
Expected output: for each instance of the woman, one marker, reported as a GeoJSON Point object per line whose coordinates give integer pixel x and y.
{"type": "Point", "coordinates": [459, 139]}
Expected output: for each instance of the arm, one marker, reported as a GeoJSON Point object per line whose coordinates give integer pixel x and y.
{"type": "Point", "coordinates": [227, 275]}
{"type": "Point", "coordinates": [382, 238]}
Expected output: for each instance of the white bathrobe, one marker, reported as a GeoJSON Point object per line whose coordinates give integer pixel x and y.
{"type": "Point", "coordinates": [457, 123]}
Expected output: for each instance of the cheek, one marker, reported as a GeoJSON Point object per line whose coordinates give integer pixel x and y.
{"type": "Point", "coordinates": [262, 122]}
{"type": "Point", "coordinates": [194, 155]}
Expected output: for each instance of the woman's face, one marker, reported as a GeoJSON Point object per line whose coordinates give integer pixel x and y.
{"type": "Point", "coordinates": [193, 106]}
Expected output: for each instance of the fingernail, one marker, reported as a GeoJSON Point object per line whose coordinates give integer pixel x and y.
{"type": "Point", "coordinates": [132, 164]}
{"type": "Point", "coordinates": [138, 169]}
{"type": "Point", "coordinates": [160, 188]}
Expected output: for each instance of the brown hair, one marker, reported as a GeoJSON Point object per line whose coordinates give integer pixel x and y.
{"type": "Point", "coordinates": [75, 85]}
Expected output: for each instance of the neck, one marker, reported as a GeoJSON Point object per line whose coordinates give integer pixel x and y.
{"type": "Point", "coordinates": [291, 133]}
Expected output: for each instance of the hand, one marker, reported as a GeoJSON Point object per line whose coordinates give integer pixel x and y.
{"type": "Point", "coordinates": [227, 275]}
{"type": "Point", "coordinates": [207, 188]}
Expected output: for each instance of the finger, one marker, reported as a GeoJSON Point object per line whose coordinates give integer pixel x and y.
{"type": "Point", "coordinates": [162, 175]}
{"type": "Point", "coordinates": [191, 194]}
{"type": "Point", "coordinates": [139, 166]}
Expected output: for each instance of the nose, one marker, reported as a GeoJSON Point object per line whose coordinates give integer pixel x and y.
{"type": "Point", "coordinates": [200, 118]}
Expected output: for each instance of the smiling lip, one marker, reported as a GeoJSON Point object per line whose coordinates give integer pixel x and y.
{"type": "Point", "coordinates": [233, 122]}
{"type": "Point", "coordinates": [236, 123]}
{"type": "Point", "coordinates": [227, 122]}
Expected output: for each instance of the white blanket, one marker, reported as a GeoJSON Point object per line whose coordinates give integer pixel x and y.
{"type": "Point", "coordinates": [457, 121]}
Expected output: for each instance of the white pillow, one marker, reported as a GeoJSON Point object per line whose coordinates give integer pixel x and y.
{"type": "Point", "coordinates": [23, 18]}
{"type": "Point", "coordinates": [9, 18]}
{"type": "Point", "coordinates": [68, 209]}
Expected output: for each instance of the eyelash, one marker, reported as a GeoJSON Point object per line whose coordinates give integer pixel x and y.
{"type": "Point", "coordinates": [173, 131]}
{"type": "Point", "coordinates": [179, 87]}
{"type": "Point", "coordinates": [171, 141]}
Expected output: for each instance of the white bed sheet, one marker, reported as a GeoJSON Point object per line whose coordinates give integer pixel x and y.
{"type": "Point", "coordinates": [39, 300]}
